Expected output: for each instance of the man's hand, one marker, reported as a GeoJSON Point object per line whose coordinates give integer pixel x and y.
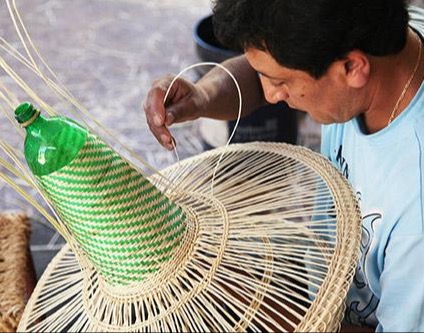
{"type": "Point", "coordinates": [184, 102]}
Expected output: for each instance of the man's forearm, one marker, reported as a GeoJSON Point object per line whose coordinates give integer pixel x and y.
{"type": "Point", "coordinates": [222, 92]}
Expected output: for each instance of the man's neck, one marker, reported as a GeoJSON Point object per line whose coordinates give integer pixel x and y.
{"type": "Point", "coordinates": [389, 82]}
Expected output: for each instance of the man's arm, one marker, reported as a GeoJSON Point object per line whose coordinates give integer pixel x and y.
{"type": "Point", "coordinates": [214, 96]}
{"type": "Point", "coordinates": [221, 91]}
{"type": "Point", "coordinates": [402, 288]}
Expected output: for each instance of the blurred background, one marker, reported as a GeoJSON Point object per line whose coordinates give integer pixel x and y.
{"type": "Point", "coordinates": [108, 52]}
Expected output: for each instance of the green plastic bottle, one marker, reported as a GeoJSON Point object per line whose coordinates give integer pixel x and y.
{"type": "Point", "coordinates": [50, 144]}
{"type": "Point", "coordinates": [122, 223]}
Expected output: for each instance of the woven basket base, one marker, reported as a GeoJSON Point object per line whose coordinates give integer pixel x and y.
{"type": "Point", "coordinates": [17, 277]}
{"type": "Point", "coordinates": [227, 235]}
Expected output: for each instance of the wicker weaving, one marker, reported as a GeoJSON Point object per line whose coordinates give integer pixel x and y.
{"type": "Point", "coordinates": [257, 237]}
{"type": "Point", "coordinates": [16, 279]}
{"type": "Point", "coordinates": [274, 248]}
{"type": "Point", "coordinates": [254, 237]}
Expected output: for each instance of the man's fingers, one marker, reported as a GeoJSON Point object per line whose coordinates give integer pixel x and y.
{"type": "Point", "coordinates": [163, 136]}
{"type": "Point", "coordinates": [181, 111]}
{"type": "Point", "coordinates": [160, 113]}
{"type": "Point", "coordinates": [153, 106]}
{"type": "Point", "coordinates": [155, 116]}
{"type": "Point", "coordinates": [166, 138]}
{"type": "Point", "coordinates": [170, 118]}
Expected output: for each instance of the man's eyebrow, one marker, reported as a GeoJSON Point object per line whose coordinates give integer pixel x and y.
{"type": "Point", "coordinates": [268, 76]}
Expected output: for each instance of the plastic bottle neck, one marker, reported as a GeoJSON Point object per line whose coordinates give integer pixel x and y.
{"type": "Point", "coordinates": [26, 114]}
{"type": "Point", "coordinates": [36, 123]}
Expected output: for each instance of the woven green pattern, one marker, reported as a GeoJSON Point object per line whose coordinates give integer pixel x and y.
{"type": "Point", "coordinates": [125, 225]}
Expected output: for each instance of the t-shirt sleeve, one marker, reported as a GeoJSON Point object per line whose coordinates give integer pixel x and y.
{"type": "Point", "coordinates": [401, 307]}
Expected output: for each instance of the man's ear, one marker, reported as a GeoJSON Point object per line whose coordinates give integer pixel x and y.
{"type": "Point", "coordinates": [356, 67]}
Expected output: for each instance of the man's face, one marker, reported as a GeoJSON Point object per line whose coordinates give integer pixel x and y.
{"type": "Point", "coordinates": [327, 100]}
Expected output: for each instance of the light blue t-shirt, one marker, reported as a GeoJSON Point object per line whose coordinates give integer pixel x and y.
{"type": "Point", "coordinates": [386, 170]}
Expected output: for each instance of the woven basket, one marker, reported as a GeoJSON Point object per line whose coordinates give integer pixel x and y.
{"type": "Point", "coordinates": [16, 271]}
{"type": "Point", "coordinates": [273, 247]}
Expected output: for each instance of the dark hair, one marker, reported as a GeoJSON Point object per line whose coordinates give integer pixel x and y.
{"type": "Point", "coordinates": [309, 35]}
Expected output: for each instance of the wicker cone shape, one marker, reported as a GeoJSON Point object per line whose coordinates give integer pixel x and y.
{"type": "Point", "coordinates": [124, 224]}
{"type": "Point", "coordinates": [273, 248]}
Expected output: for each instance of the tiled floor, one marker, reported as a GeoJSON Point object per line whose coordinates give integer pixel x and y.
{"type": "Point", "coordinates": [107, 52]}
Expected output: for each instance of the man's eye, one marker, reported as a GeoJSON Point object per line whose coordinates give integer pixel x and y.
{"type": "Point", "coordinates": [277, 83]}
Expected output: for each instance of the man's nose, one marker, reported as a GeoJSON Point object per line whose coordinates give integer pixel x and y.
{"type": "Point", "coordinates": [275, 94]}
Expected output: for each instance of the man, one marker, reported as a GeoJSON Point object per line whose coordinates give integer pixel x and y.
{"type": "Point", "coordinates": [357, 67]}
